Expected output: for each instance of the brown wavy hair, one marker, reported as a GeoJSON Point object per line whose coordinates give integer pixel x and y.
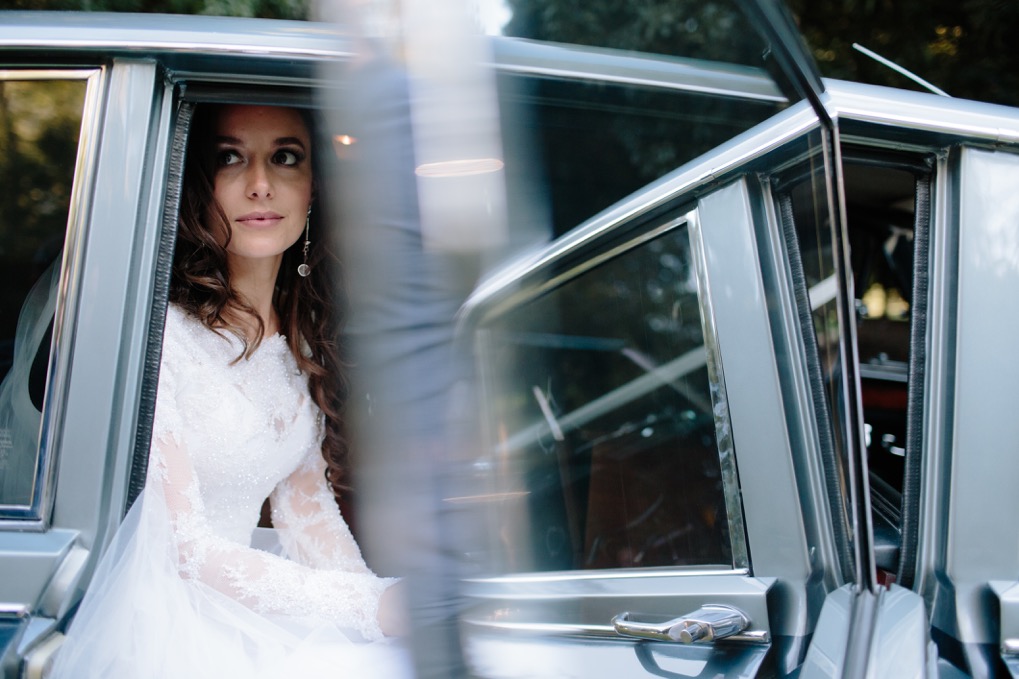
{"type": "Point", "coordinates": [308, 308]}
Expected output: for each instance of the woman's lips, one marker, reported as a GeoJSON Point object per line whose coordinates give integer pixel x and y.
{"type": "Point", "coordinates": [258, 219]}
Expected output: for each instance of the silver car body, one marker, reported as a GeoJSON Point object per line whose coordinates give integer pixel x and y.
{"type": "Point", "coordinates": [802, 557]}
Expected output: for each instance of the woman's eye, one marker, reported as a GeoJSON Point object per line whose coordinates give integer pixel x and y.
{"type": "Point", "coordinates": [287, 157]}
{"type": "Point", "coordinates": [228, 157]}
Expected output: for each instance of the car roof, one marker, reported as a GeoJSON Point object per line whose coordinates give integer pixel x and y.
{"type": "Point", "coordinates": [148, 34]}
{"type": "Point", "coordinates": [209, 44]}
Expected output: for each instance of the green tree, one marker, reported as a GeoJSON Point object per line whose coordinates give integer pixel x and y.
{"type": "Point", "coordinates": [693, 28]}
{"type": "Point", "coordinates": [962, 47]}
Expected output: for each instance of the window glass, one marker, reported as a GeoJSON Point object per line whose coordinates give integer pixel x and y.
{"type": "Point", "coordinates": [40, 122]}
{"type": "Point", "coordinates": [601, 141]}
{"type": "Point", "coordinates": [602, 421]}
{"type": "Point", "coordinates": [716, 30]}
{"type": "Point", "coordinates": [880, 207]}
{"type": "Point", "coordinates": [807, 204]}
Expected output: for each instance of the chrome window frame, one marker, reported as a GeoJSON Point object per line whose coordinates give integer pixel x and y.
{"type": "Point", "coordinates": [36, 516]}
{"type": "Point", "coordinates": [719, 400]}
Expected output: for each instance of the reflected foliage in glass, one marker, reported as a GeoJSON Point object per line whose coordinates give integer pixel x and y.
{"type": "Point", "coordinates": [600, 406]}
{"type": "Point", "coordinates": [40, 122]}
{"type": "Point", "coordinates": [599, 142]}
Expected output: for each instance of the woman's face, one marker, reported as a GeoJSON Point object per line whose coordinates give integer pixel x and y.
{"type": "Point", "coordinates": [262, 179]}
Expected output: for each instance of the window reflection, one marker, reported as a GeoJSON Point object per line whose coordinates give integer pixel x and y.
{"type": "Point", "coordinates": [601, 417]}
{"type": "Point", "coordinates": [40, 121]}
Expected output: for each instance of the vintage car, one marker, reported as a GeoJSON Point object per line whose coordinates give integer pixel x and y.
{"type": "Point", "coordinates": [746, 414]}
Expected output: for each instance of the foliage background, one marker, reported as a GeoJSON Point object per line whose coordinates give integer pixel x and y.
{"type": "Point", "coordinates": [960, 46]}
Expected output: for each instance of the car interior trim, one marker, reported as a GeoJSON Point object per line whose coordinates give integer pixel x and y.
{"type": "Point", "coordinates": [940, 388]}
{"type": "Point", "coordinates": [830, 462]}
{"type": "Point", "coordinates": [915, 398]}
{"type": "Point", "coordinates": [160, 295]}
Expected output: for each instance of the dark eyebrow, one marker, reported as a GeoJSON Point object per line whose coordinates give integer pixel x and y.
{"type": "Point", "coordinates": [289, 141]}
{"type": "Point", "coordinates": [281, 141]}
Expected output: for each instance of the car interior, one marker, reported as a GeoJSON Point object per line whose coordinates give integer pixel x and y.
{"type": "Point", "coordinates": [887, 205]}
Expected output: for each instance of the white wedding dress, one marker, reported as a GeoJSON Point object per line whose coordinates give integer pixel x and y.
{"type": "Point", "coordinates": [181, 592]}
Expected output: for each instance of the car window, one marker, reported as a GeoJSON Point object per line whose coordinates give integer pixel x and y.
{"type": "Point", "coordinates": [40, 124]}
{"type": "Point", "coordinates": [880, 205]}
{"type": "Point", "coordinates": [608, 418]}
{"type": "Point", "coordinates": [719, 31]}
{"type": "Point", "coordinates": [804, 210]}
{"type": "Point", "coordinates": [601, 140]}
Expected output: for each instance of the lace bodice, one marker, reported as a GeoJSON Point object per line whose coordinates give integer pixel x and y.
{"type": "Point", "coordinates": [226, 435]}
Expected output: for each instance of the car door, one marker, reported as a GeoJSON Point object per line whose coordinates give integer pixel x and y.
{"type": "Point", "coordinates": [956, 475]}
{"type": "Point", "coordinates": [78, 174]}
{"type": "Point", "coordinates": [673, 426]}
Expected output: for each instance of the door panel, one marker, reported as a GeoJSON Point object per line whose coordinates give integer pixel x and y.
{"type": "Point", "coordinates": [980, 469]}
{"type": "Point", "coordinates": [49, 542]}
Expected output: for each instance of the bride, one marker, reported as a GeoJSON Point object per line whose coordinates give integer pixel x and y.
{"type": "Point", "coordinates": [248, 406]}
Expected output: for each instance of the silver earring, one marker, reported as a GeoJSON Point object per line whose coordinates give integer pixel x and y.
{"type": "Point", "coordinates": [303, 269]}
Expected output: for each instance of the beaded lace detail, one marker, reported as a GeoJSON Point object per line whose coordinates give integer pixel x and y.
{"type": "Point", "coordinates": [227, 435]}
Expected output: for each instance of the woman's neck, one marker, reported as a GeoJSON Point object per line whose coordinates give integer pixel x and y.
{"type": "Point", "coordinates": [254, 281]}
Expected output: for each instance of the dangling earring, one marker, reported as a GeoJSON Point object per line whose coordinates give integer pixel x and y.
{"type": "Point", "coordinates": [303, 269]}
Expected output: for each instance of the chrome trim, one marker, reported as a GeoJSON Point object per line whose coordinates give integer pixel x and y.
{"type": "Point", "coordinates": [939, 401]}
{"type": "Point", "coordinates": [921, 112]}
{"type": "Point", "coordinates": [37, 516]}
{"type": "Point", "coordinates": [171, 47]}
{"type": "Point", "coordinates": [189, 76]}
{"type": "Point", "coordinates": [106, 33]}
{"type": "Point", "coordinates": [603, 632]}
{"type": "Point", "coordinates": [616, 574]}
{"type": "Point", "coordinates": [46, 73]}
{"type": "Point", "coordinates": [731, 156]}
{"type": "Point", "coordinates": [600, 77]}
{"type": "Point", "coordinates": [804, 436]}
{"type": "Point", "coordinates": [719, 400]}
{"type": "Point", "coordinates": [546, 628]}
{"type": "Point", "coordinates": [710, 622]}
{"type": "Point", "coordinates": [14, 610]}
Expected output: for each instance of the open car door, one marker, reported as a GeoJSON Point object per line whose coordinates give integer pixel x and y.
{"type": "Point", "coordinates": [676, 480]}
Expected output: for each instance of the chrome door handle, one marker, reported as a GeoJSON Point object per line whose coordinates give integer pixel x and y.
{"type": "Point", "coordinates": [710, 622]}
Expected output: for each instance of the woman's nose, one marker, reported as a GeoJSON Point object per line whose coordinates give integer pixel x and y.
{"type": "Point", "coordinates": [258, 182]}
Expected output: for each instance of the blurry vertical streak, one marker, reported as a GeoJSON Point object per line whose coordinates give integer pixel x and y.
{"type": "Point", "coordinates": [416, 193]}
{"type": "Point", "coordinates": [456, 128]}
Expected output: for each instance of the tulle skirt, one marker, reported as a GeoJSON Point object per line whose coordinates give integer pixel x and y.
{"type": "Point", "coordinates": [141, 620]}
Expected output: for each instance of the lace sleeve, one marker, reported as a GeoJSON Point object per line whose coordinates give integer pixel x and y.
{"type": "Point", "coordinates": [348, 593]}
{"type": "Point", "coordinates": [310, 526]}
